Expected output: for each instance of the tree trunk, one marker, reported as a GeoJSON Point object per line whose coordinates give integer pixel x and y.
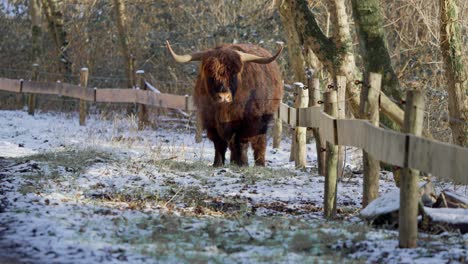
{"type": "Point", "coordinates": [343, 40]}
{"type": "Point", "coordinates": [54, 18]}
{"type": "Point", "coordinates": [455, 71]}
{"type": "Point", "coordinates": [369, 24]}
{"type": "Point", "coordinates": [121, 20]}
{"type": "Point", "coordinates": [347, 67]}
{"type": "Point", "coordinates": [330, 55]}
{"type": "Point", "coordinates": [36, 50]}
{"type": "Point", "coordinates": [296, 58]}
{"type": "Point", "coordinates": [373, 48]}
{"type": "Point", "coordinates": [36, 30]}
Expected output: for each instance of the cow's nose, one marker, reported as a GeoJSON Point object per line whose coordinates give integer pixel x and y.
{"type": "Point", "coordinates": [223, 97]}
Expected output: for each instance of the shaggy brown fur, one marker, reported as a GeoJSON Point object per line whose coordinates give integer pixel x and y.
{"type": "Point", "coordinates": [256, 91]}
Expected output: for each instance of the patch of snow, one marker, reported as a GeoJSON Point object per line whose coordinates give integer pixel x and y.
{"type": "Point", "coordinates": [89, 216]}
{"type": "Point", "coordinates": [448, 215]}
{"type": "Point", "coordinates": [387, 203]}
{"type": "Point", "coordinates": [10, 150]}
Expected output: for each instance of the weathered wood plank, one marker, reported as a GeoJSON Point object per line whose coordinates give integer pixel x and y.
{"type": "Point", "coordinates": [108, 95]}
{"type": "Point", "coordinates": [161, 100]}
{"type": "Point", "coordinates": [277, 129]}
{"type": "Point", "coordinates": [32, 97]}
{"type": "Point", "coordinates": [301, 102]}
{"type": "Point", "coordinates": [10, 85]}
{"type": "Point", "coordinates": [83, 107]}
{"type": "Point", "coordinates": [331, 175]}
{"type": "Point", "coordinates": [309, 117]}
{"type": "Point", "coordinates": [34, 87]}
{"type": "Point", "coordinates": [385, 145]}
{"type": "Point", "coordinates": [292, 116]}
{"type": "Point", "coordinates": [442, 160]}
{"type": "Point", "coordinates": [370, 111]}
{"type": "Point", "coordinates": [326, 127]}
{"type": "Point", "coordinates": [77, 92]}
{"type": "Point", "coordinates": [314, 98]}
{"type": "Point", "coordinates": [407, 221]}
{"type": "Point", "coordinates": [351, 132]}
{"type": "Point", "coordinates": [142, 109]}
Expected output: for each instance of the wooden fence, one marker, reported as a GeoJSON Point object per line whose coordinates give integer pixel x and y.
{"type": "Point", "coordinates": [400, 149]}
{"type": "Point", "coordinates": [104, 95]}
{"type": "Point", "coordinates": [404, 150]}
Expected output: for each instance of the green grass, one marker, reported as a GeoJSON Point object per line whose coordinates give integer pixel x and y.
{"type": "Point", "coordinates": [202, 239]}
{"type": "Point", "coordinates": [57, 166]}
{"type": "Point", "coordinates": [208, 229]}
{"type": "Point", "coordinates": [72, 160]}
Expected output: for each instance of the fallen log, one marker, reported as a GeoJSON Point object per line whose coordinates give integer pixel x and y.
{"type": "Point", "coordinates": [449, 199]}
{"type": "Point", "coordinates": [449, 212]}
{"type": "Point", "coordinates": [384, 210]}
{"type": "Point", "coordinates": [446, 219]}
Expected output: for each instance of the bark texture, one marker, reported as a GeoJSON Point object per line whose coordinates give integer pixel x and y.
{"type": "Point", "coordinates": [373, 47]}
{"type": "Point", "coordinates": [54, 18]}
{"type": "Point", "coordinates": [296, 57]}
{"type": "Point", "coordinates": [123, 40]}
{"type": "Point", "coordinates": [36, 30]}
{"type": "Point", "coordinates": [455, 71]}
{"type": "Point", "coordinates": [332, 54]}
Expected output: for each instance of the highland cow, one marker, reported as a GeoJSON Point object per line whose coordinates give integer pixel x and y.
{"type": "Point", "coordinates": [239, 88]}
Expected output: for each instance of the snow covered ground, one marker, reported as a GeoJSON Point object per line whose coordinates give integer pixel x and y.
{"type": "Point", "coordinates": [107, 193]}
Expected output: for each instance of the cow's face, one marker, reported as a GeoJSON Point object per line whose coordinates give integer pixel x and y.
{"type": "Point", "coordinates": [221, 76]}
{"type": "Point", "coordinates": [221, 68]}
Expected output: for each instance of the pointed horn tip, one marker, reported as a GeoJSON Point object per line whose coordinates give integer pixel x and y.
{"type": "Point", "coordinates": [281, 47]}
{"type": "Point", "coordinates": [168, 45]}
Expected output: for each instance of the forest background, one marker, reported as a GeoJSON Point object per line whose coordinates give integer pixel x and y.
{"type": "Point", "coordinates": [115, 38]}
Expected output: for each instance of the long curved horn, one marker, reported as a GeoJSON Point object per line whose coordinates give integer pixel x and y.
{"type": "Point", "coordinates": [246, 57]}
{"type": "Point", "coordinates": [184, 58]}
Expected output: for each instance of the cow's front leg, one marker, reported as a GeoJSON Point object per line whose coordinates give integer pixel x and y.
{"type": "Point", "coordinates": [220, 147]}
{"type": "Point", "coordinates": [239, 149]}
{"type": "Point", "coordinates": [259, 148]}
{"type": "Point", "coordinates": [220, 152]}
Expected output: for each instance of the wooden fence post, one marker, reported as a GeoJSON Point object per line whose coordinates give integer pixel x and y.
{"type": "Point", "coordinates": [341, 114]}
{"type": "Point", "coordinates": [277, 130]}
{"type": "Point", "coordinates": [413, 124]}
{"type": "Point", "coordinates": [142, 109]}
{"type": "Point", "coordinates": [20, 98]}
{"type": "Point", "coordinates": [301, 101]}
{"type": "Point", "coordinates": [199, 127]}
{"type": "Point", "coordinates": [314, 98]}
{"type": "Point", "coordinates": [370, 110]}
{"type": "Point", "coordinates": [292, 154]}
{"type": "Point", "coordinates": [31, 96]}
{"type": "Point", "coordinates": [84, 74]}
{"type": "Point", "coordinates": [331, 108]}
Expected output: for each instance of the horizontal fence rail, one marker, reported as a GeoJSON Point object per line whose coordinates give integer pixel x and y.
{"type": "Point", "coordinates": [443, 160]}
{"type": "Point", "coordinates": [104, 95]}
{"type": "Point", "coordinates": [404, 150]}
